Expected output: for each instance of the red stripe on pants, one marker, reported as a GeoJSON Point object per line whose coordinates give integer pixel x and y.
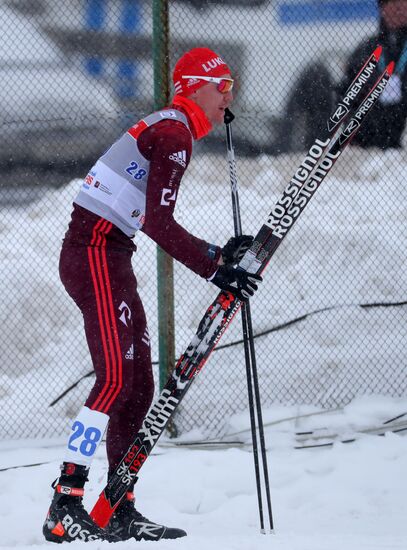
{"type": "Point", "coordinates": [107, 321]}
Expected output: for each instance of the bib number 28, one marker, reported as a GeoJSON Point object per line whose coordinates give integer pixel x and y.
{"type": "Point", "coordinates": [84, 440]}
{"type": "Point", "coordinates": [134, 170]}
{"type": "Point", "coordinates": [86, 434]}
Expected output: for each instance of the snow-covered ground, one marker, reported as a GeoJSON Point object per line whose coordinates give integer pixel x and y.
{"type": "Point", "coordinates": [347, 248]}
{"type": "Point", "coordinates": [350, 496]}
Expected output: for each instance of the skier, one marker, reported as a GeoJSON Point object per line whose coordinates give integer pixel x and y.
{"type": "Point", "coordinates": [134, 186]}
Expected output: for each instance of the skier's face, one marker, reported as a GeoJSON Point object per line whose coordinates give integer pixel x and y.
{"type": "Point", "coordinates": [395, 14]}
{"type": "Point", "coordinates": [212, 101]}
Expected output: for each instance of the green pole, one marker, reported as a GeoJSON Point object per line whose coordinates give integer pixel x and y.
{"type": "Point", "coordinates": [165, 269]}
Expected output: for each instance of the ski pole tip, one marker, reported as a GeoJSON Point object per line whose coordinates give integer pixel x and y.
{"type": "Point", "coordinates": [378, 52]}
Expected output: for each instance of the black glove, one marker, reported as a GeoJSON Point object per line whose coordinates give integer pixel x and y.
{"type": "Point", "coordinates": [238, 282]}
{"type": "Point", "coordinates": [235, 249]}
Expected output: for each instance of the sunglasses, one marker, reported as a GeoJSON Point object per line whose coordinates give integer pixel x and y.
{"type": "Point", "coordinates": [224, 85]}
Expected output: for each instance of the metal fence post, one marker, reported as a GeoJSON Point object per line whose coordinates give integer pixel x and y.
{"type": "Point", "coordinates": [165, 270]}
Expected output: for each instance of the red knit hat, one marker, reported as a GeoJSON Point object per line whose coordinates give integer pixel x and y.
{"type": "Point", "coordinates": [197, 62]}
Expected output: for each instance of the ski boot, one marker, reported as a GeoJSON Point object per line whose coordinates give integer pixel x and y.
{"type": "Point", "coordinates": [127, 523]}
{"type": "Point", "coordinates": [67, 520]}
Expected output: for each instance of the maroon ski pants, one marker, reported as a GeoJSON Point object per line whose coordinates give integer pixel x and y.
{"type": "Point", "coordinates": [101, 281]}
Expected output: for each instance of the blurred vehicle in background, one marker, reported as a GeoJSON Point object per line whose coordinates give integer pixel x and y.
{"type": "Point", "coordinates": [315, 93]}
{"type": "Point", "coordinates": [52, 113]}
{"type": "Point", "coordinates": [267, 43]}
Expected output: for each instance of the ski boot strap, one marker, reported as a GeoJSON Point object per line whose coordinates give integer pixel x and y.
{"type": "Point", "coordinates": [71, 491]}
{"type": "Point", "coordinates": [77, 470]}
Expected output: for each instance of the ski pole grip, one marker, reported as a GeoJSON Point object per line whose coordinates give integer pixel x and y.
{"type": "Point", "coordinates": [228, 116]}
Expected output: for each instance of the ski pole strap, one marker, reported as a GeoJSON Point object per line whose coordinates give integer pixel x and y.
{"type": "Point", "coordinates": [212, 251]}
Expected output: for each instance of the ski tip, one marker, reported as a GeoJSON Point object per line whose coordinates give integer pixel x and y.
{"type": "Point", "coordinates": [378, 52]}
{"type": "Point", "coordinates": [390, 68]}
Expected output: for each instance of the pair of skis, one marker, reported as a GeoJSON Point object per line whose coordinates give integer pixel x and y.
{"type": "Point", "coordinates": [346, 120]}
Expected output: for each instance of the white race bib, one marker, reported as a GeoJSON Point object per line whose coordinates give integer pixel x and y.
{"type": "Point", "coordinates": [87, 432]}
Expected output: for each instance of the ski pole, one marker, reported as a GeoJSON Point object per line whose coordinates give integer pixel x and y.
{"type": "Point", "coordinates": [249, 350]}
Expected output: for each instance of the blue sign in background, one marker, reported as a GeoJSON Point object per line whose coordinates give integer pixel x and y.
{"type": "Point", "coordinates": [315, 11]}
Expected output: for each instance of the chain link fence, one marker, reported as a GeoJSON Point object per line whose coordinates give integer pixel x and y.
{"type": "Point", "coordinates": [330, 318]}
